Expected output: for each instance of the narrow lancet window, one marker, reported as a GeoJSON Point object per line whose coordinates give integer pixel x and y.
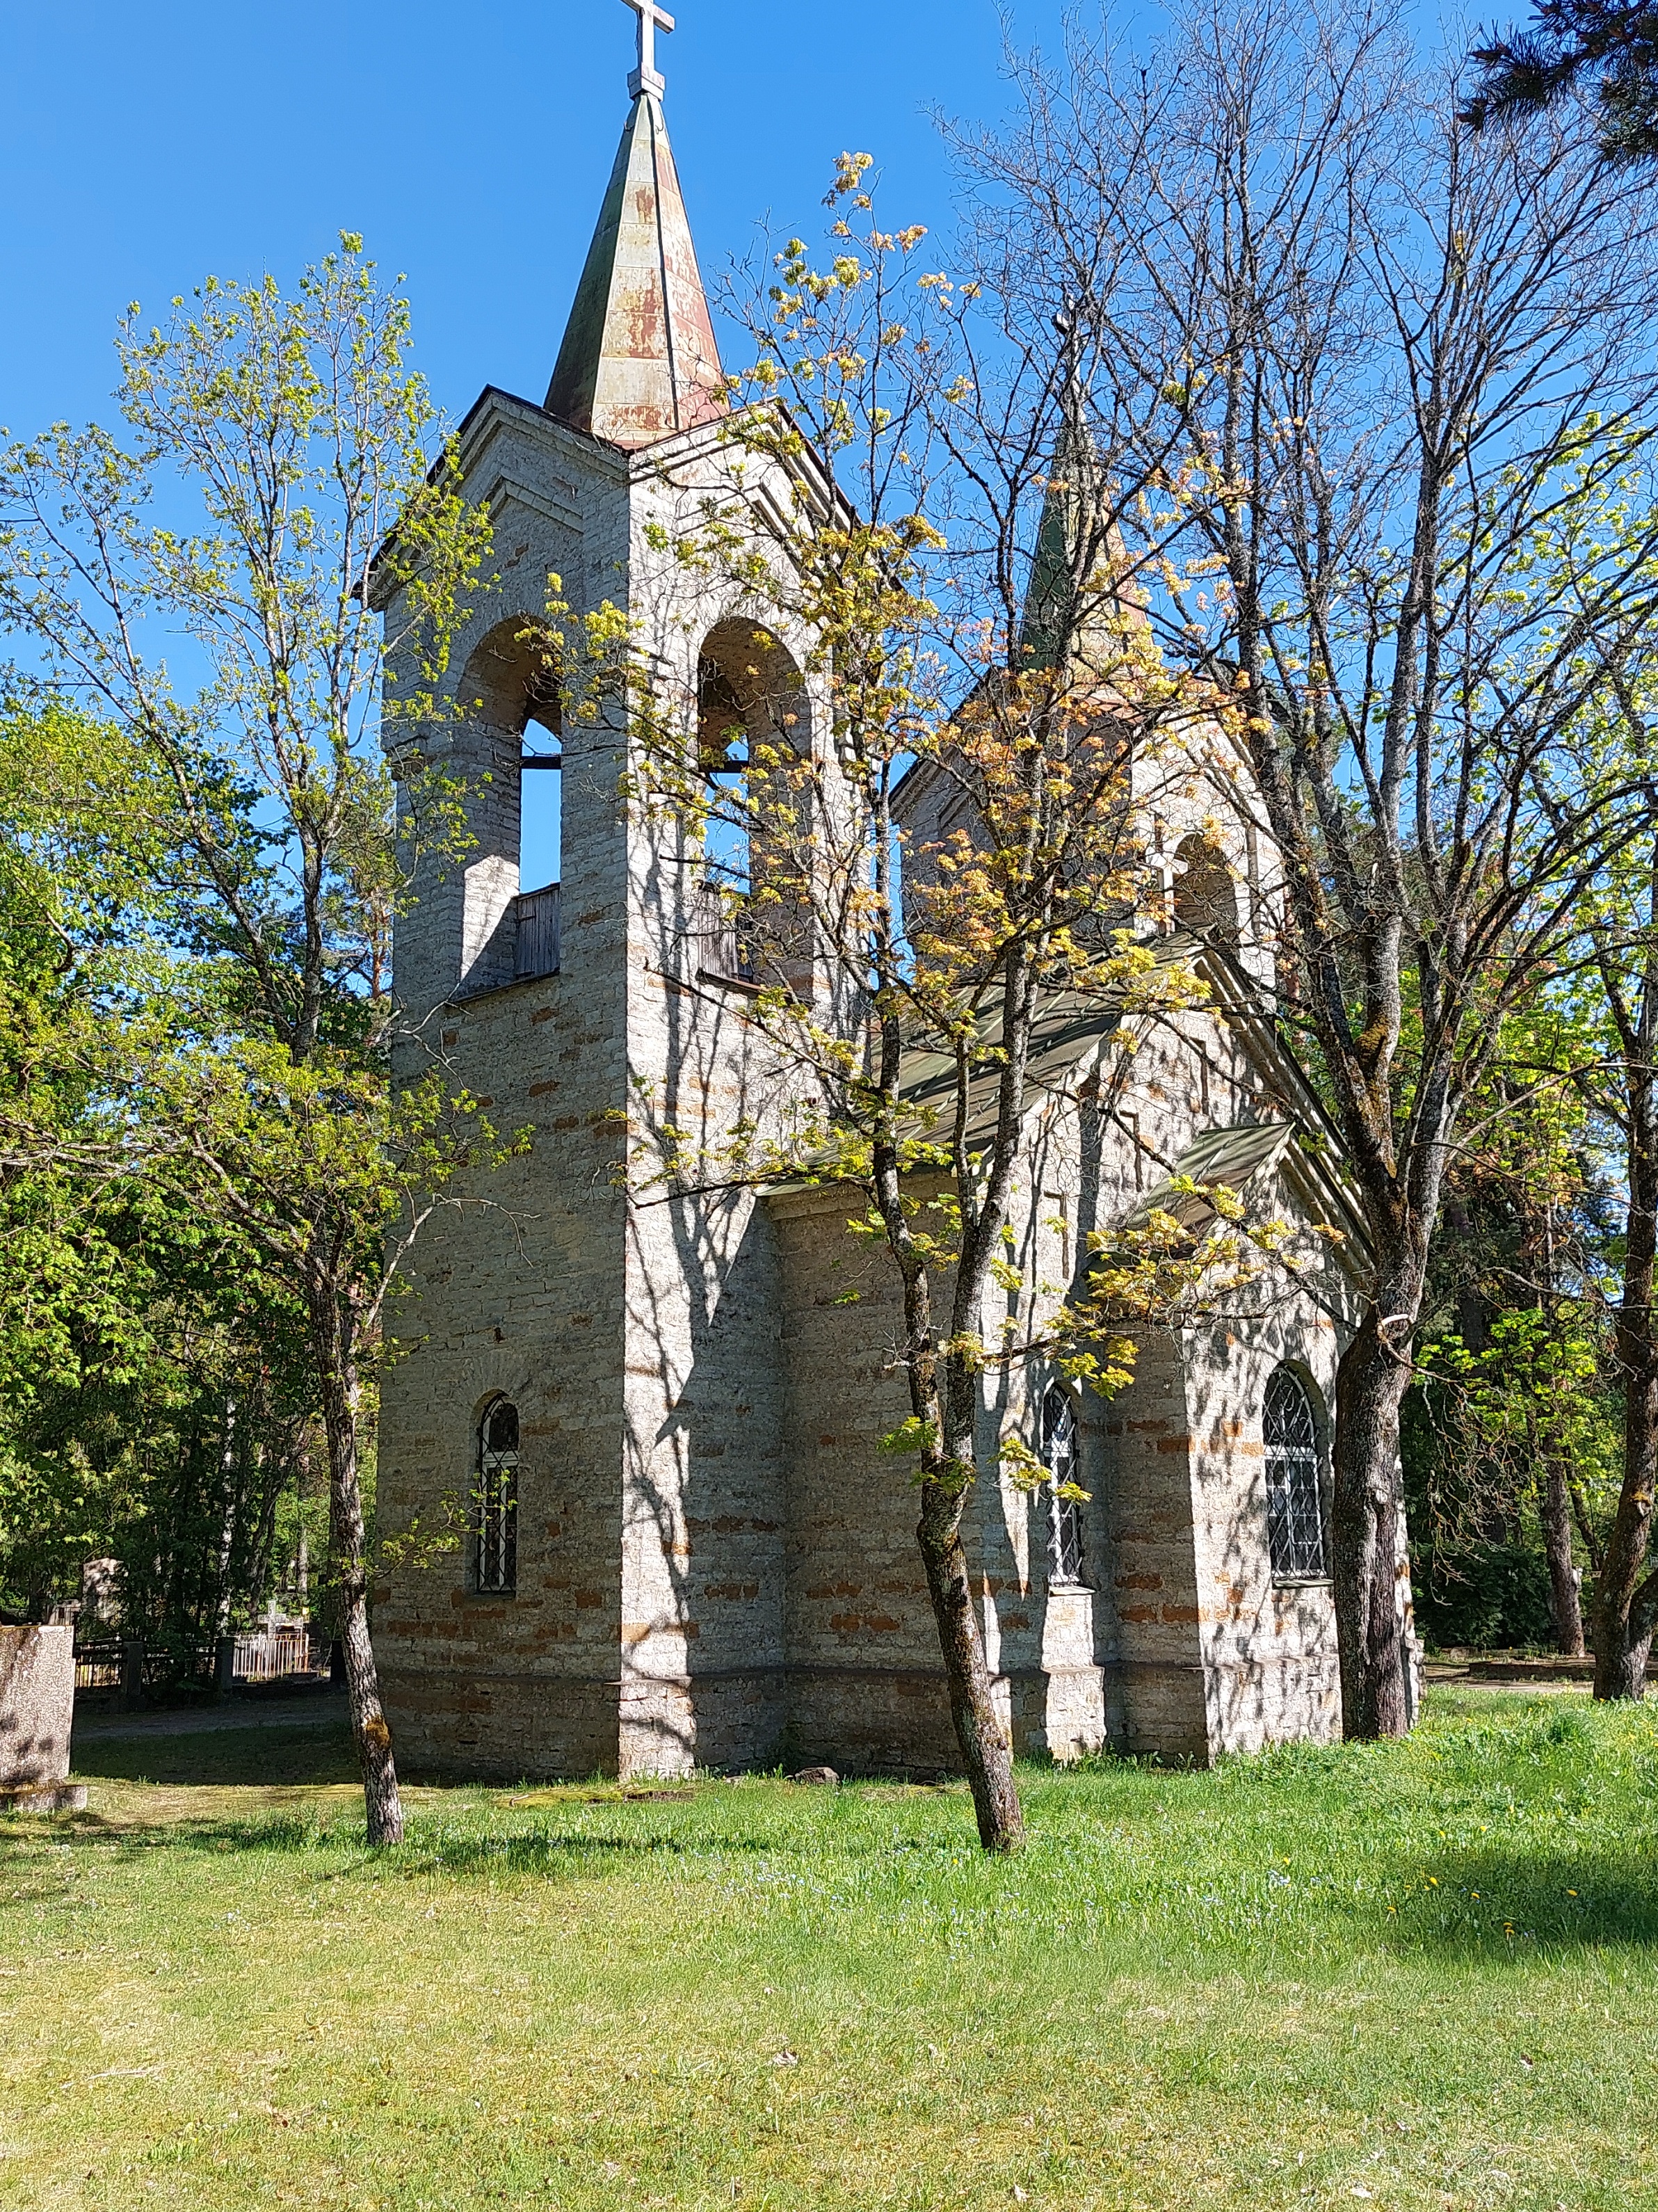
{"type": "Point", "coordinates": [1295, 1513]}
{"type": "Point", "coordinates": [1065, 1527]}
{"type": "Point", "coordinates": [496, 1531]}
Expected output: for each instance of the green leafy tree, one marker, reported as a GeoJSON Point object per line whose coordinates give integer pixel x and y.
{"type": "Point", "coordinates": [254, 1074]}
{"type": "Point", "coordinates": [1510, 1440]}
{"type": "Point", "coordinates": [154, 1389]}
{"type": "Point", "coordinates": [1621, 927]}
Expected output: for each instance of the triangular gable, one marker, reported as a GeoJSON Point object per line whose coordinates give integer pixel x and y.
{"type": "Point", "coordinates": [1069, 1039]}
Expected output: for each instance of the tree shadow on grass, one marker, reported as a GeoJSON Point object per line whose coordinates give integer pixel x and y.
{"type": "Point", "coordinates": [535, 1851]}
{"type": "Point", "coordinates": [545, 1851]}
{"type": "Point", "coordinates": [223, 1758]}
{"type": "Point", "coordinates": [1488, 1901]}
{"type": "Point", "coordinates": [292, 1763]}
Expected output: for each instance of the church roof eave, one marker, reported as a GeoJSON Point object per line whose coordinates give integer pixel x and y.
{"type": "Point", "coordinates": [1316, 1154]}
{"type": "Point", "coordinates": [379, 585]}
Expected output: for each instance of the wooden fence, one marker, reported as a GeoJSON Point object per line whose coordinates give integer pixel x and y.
{"type": "Point", "coordinates": [98, 1667]}
{"type": "Point", "coordinates": [257, 1655]}
{"type": "Point", "coordinates": [116, 1662]}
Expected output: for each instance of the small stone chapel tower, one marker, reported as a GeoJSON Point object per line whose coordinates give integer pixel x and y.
{"type": "Point", "coordinates": [572, 1335]}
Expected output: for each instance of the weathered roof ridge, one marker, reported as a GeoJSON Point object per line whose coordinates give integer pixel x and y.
{"type": "Point", "coordinates": [639, 361]}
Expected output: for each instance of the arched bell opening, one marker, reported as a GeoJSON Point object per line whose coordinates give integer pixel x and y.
{"type": "Point", "coordinates": [510, 692]}
{"type": "Point", "coordinates": [755, 754]}
{"type": "Point", "coordinates": [511, 680]}
{"type": "Point", "coordinates": [1205, 890]}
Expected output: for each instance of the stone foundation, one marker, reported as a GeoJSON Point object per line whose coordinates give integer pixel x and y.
{"type": "Point", "coordinates": [63, 1798]}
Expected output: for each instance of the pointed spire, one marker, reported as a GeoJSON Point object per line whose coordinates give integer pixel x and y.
{"type": "Point", "coordinates": [639, 361]}
{"type": "Point", "coordinates": [1068, 532]}
{"type": "Point", "coordinates": [1067, 500]}
{"type": "Point", "coordinates": [1051, 595]}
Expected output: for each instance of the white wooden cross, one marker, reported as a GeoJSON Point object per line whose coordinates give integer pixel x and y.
{"type": "Point", "coordinates": [651, 19]}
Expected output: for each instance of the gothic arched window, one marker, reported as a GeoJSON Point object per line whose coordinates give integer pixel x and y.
{"type": "Point", "coordinates": [495, 1510]}
{"type": "Point", "coordinates": [1065, 1527]}
{"type": "Point", "coordinates": [1295, 1512]}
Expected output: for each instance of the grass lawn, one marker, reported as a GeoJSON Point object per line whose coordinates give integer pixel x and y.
{"type": "Point", "coordinates": [1423, 1974]}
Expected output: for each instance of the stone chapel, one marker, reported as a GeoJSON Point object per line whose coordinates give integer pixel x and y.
{"type": "Point", "coordinates": [659, 1422]}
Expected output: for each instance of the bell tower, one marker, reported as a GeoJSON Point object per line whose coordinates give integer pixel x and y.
{"type": "Point", "coordinates": [625, 1342]}
{"type": "Point", "coordinates": [638, 374]}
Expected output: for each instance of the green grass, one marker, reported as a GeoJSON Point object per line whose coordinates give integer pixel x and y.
{"type": "Point", "coordinates": [1423, 1974]}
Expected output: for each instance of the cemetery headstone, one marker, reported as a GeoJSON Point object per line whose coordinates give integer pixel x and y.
{"type": "Point", "coordinates": [37, 1712]}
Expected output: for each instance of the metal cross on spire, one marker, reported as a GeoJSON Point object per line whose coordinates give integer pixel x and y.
{"type": "Point", "coordinates": [651, 19]}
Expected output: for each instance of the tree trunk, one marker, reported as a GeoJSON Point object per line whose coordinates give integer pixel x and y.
{"type": "Point", "coordinates": [1565, 1604]}
{"type": "Point", "coordinates": [948, 1467]}
{"type": "Point", "coordinates": [333, 1338]}
{"type": "Point", "coordinates": [1371, 1384]}
{"type": "Point", "coordinates": [1620, 1647]}
{"type": "Point", "coordinates": [228, 1501]}
{"type": "Point", "coordinates": [1620, 1638]}
{"type": "Point", "coordinates": [1620, 1670]}
{"type": "Point", "coordinates": [972, 1708]}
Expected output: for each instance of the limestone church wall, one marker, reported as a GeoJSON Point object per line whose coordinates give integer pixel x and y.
{"type": "Point", "coordinates": [520, 1298]}
{"type": "Point", "coordinates": [1268, 1644]}
{"type": "Point", "coordinates": [637, 1340]}
{"type": "Point", "coordinates": [1213, 1653]}
{"type": "Point", "coordinates": [865, 1686]}
{"type": "Point", "coordinates": [1177, 1639]}
{"type": "Point", "coordinates": [519, 1292]}
{"type": "Point", "coordinates": [716, 1564]}
{"type": "Point", "coordinates": [704, 1478]}
{"type": "Point", "coordinates": [865, 1682]}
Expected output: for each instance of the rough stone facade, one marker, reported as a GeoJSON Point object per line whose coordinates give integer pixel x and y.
{"type": "Point", "coordinates": [37, 1707]}
{"type": "Point", "coordinates": [715, 1565]}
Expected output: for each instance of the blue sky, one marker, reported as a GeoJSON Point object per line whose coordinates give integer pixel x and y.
{"type": "Point", "coordinates": [145, 147]}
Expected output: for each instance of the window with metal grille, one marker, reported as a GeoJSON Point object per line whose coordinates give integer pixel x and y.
{"type": "Point", "coordinates": [1064, 1526]}
{"type": "Point", "coordinates": [495, 1534]}
{"type": "Point", "coordinates": [1294, 1511]}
